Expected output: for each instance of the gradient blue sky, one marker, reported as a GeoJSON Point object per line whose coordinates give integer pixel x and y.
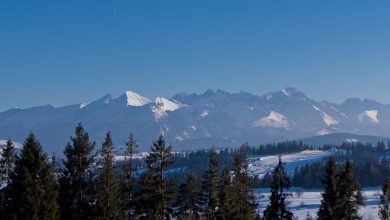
{"type": "Point", "coordinates": [70, 51]}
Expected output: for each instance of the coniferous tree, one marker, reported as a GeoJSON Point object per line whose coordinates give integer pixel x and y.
{"type": "Point", "coordinates": [227, 206]}
{"type": "Point", "coordinates": [129, 181]}
{"type": "Point", "coordinates": [243, 198]}
{"type": "Point", "coordinates": [277, 207]}
{"type": "Point", "coordinates": [350, 197]}
{"type": "Point", "coordinates": [330, 195]}
{"type": "Point", "coordinates": [50, 179]}
{"type": "Point", "coordinates": [155, 194]}
{"type": "Point", "coordinates": [188, 198]}
{"type": "Point", "coordinates": [33, 188]}
{"type": "Point", "coordinates": [384, 206]}
{"type": "Point", "coordinates": [76, 185]}
{"type": "Point", "coordinates": [209, 196]}
{"type": "Point", "coordinates": [7, 164]}
{"type": "Point", "coordinates": [108, 188]}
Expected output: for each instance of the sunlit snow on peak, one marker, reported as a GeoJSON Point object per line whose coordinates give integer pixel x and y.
{"type": "Point", "coordinates": [273, 120]}
{"type": "Point", "coordinates": [133, 99]}
{"type": "Point", "coordinates": [167, 105]}
{"type": "Point", "coordinates": [370, 115]}
{"type": "Point", "coordinates": [162, 105]}
{"type": "Point", "coordinates": [325, 117]}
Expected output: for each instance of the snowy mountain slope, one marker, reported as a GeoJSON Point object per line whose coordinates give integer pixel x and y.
{"type": "Point", "coordinates": [198, 120]}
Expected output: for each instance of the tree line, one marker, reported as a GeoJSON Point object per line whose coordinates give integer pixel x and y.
{"type": "Point", "coordinates": [88, 184]}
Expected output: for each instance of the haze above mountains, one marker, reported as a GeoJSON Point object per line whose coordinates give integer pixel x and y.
{"type": "Point", "coordinates": [194, 121]}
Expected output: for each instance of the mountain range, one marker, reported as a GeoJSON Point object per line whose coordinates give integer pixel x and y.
{"type": "Point", "coordinates": [194, 121]}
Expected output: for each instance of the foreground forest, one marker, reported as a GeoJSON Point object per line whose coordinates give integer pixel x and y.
{"type": "Point", "coordinates": [216, 184]}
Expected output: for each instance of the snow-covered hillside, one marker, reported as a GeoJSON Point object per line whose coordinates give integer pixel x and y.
{"type": "Point", "coordinates": [310, 201]}
{"type": "Point", "coordinates": [259, 166]}
{"type": "Point", "coordinates": [193, 121]}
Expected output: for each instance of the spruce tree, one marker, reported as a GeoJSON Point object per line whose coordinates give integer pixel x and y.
{"type": "Point", "coordinates": [129, 181]}
{"type": "Point", "coordinates": [384, 206]}
{"type": "Point", "coordinates": [277, 207]}
{"type": "Point", "coordinates": [227, 206]}
{"type": "Point", "coordinates": [155, 193]}
{"type": "Point", "coordinates": [33, 188]}
{"type": "Point", "coordinates": [76, 185]}
{"type": "Point", "coordinates": [244, 199]}
{"type": "Point", "coordinates": [50, 179]}
{"type": "Point", "coordinates": [330, 195]}
{"type": "Point", "coordinates": [108, 188]}
{"type": "Point", "coordinates": [350, 197]}
{"type": "Point", "coordinates": [7, 164]}
{"type": "Point", "coordinates": [209, 196]}
{"type": "Point", "coordinates": [188, 198]}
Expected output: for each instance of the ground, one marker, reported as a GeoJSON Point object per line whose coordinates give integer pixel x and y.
{"type": "Point", "coordinates": [309, 202]}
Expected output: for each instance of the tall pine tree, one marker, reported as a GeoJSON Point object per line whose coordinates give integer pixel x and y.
{"type": "Point", "coordinates": [209, 196]}
{"type": "Point", "coordinates": [384, 205]}
{"type": "Point", "coordinates": [187, 200]}
{"type": "Point", "coordinates": [76, 185]}
{"type": "Point", "coordinates": [350, 197]}
{"type": "Point", "coordinates": [330, 195]}
{"type": "Point", "coordinates": [7, 164]}
{"type": "Point", "coordinates": [33, 188]}
{"type": "Point", "coordinates": [226, 197]}
{"type": "Point", "coordinates": [108, 188]}
{"type": "Point", "coordinates": [277, 207]}
{"type": "Point", "coordinates": [156, 195]}
{"type": "Point", "coordinates": [244, 199]}
{"type": "Point", "coordinates": [129, 182]}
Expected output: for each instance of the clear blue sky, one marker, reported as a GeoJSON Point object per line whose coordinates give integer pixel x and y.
{"type": "Point", "coordinates": [64, 52]}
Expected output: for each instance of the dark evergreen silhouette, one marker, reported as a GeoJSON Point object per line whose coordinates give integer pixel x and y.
{"type": "Point", "coordinates": [226, 200]}
{"type": "Point", "coordinates": [349, 191]}
{"type": "Point", "coordinates": [330, 195]}
{"type": "Point", "coordinates": [209, 201]}
{"type": "Point", "coordinates": [187, 200]}
{"type": "Point", "coordinates": [128, 180]}
{"type": "Point", "coordinates": [108, 197]}
{"type": "Point", "coordinates": [155, 194]}
{"type": "Point", "coordinates": [7, 164]}
{"type": "Point", "coordinates": [384, 205]}
{"type": "Point", "coordinates": [77, 189]}
{"type": "Point", "coordinates": [277, 206]}
{"type": "Point", "coordinates": [33, 190]}
{"type": "Point", "coordinates": [244, 204]}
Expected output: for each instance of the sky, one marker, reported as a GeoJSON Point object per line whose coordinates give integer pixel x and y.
{"type": "Point", "coordinates": [66, 52]}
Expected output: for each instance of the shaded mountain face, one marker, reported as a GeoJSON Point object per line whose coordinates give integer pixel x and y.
{"type": "Point", "coordinates": [194, 121]}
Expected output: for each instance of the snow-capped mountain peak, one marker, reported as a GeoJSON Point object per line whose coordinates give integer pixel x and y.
{"type": "Point", "coordinates": [191, 120]}
{"type": "Point", "coordinates": [273, 120]}
{"type": "Point", "coordinates": [167, 105]}
{"type": "Point", "coordinates": [162, 105]}
{"type": "Point", "coordinates": [134, 99]}
{"type": "Point", "coordinates": [370, 115]}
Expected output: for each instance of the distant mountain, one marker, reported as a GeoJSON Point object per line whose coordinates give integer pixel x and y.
{"type": "Point", "coordinates": [193, 121]}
